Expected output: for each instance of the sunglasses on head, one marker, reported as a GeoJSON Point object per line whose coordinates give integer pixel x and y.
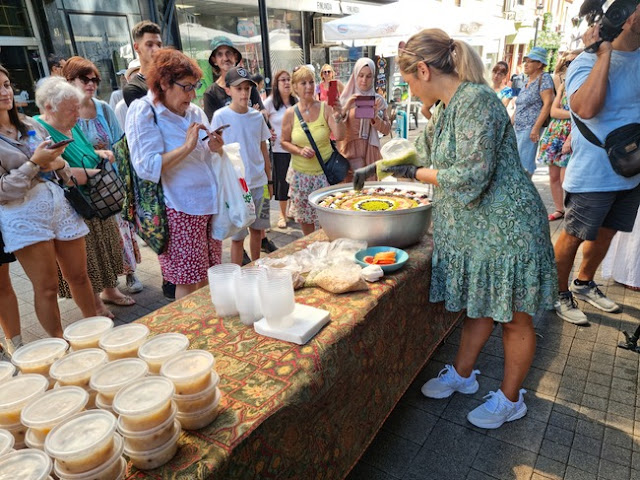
{"type": "Point", "coordinates": [84, 79]}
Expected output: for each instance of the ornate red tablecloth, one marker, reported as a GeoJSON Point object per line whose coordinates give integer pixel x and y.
{"type": "Point", "coordinates": [306, 412]}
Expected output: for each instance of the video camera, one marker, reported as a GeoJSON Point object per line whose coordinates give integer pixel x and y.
{"type": "Point", "coordinates": [610, 22]}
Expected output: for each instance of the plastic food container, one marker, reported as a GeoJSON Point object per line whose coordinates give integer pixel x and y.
{"type": "Point", "coordinates": [86, 333]}
{"type": "Point", "coordinates": [77, 367]}
{"type": "Point", "coordinates": [104, 404]}
{"type": "Point", "coordinates": [189, 371]}
{"type": "Point", "coordinates": [82, 442]}
{"type": "Point", "coordinates": [52, 408]}
{"type": "Point", "coordinates": [144, 404]}
{"type": "Point", "coordinates": [18, 392]}
{"type": "Point", "coordinates": [91, 402]}
{"type": "Point", "coordinates": [112, 468]}
{"type": "Point", "coordinates": [6, 441]}
{"type": "Point", "coordinates": [198, 401]}
{"type": "Point", "coordinates": [153, 458]}
{"type": "Point", "coordinates": [33, 439]}
{"type": "Point", "coordinates": [114, 375]}
{"type": "Point", "coordinates": [18, 431]}
{"type": "Point", "coordinates": [198, 420]}
{"type": "Point", "coordinates": [161, 348]}
{"type": "Point", "coordinates": [25, 464]}
{"type": "Point", "coordinates": [37, 357]}
{"type": "Point", "coordinates": [124, 341]}
{"type": "Point", "coordinates": [150, 439]}
{"type": "Point", "coordinates": [7, 369]}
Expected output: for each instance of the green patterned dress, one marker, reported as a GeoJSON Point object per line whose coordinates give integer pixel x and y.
{"type": "Point", "coordinates": [493, 254]}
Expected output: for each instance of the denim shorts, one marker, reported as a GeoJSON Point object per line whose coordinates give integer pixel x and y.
{"type": "Point", "coordinates": [585, 213]}
{"type": "Point", "coordinates": [527, 150]}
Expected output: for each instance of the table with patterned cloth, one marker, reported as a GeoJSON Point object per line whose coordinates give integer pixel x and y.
{"type": "Point", "coordinates": [306, 411]}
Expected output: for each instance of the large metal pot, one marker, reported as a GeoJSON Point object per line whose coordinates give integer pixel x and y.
{"type": "Point", "coordinates": [396, 228]}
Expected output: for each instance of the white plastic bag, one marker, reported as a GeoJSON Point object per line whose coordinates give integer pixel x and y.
{"type": "Point", "coordinates": [235, 204]}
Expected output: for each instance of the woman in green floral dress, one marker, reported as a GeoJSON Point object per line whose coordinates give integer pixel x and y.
{"type": "Point", "coordinates": [492, 248]}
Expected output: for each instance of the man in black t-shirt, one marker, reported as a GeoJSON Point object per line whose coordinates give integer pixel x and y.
{"type": "Point", "coordinates": [146, 41]}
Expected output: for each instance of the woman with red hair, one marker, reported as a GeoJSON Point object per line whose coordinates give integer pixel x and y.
{"type": "Point", "coordinates": [165, 133]}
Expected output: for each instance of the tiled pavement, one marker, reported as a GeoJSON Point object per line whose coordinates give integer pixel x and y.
{"type": "Point", "coordinates": [584, 404]}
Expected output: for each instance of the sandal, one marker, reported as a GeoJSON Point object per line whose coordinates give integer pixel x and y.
{"type": "Point", "coordinates": [124, 301]}
{"type": "Point", "coordinates": [282, 222]}
{"type": "Point", "coordinates": [557, 215]}
{"type": "Point", "coordinates": [106, 313]}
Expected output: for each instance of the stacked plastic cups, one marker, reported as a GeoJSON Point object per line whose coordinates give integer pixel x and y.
{"type": "Point", "coordinates": [87, 447]}
{"type": "Point", "coordinates": [196, 387]}
{"type": "Point", "coordinates": [15, 394]}
{"type": "Point", "coordinates": [148, 422]}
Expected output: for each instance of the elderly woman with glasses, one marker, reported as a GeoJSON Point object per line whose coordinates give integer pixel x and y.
{"type": "Point", "coordinates": [326, 75]}
{"type": "Point", "coordinates": [492, 253]}
{"type": "Point", "coordinates": [166, 134]}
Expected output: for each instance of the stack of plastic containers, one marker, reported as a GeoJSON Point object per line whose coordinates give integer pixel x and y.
{"type": "Point", "coordinates": [124, 341]}
{"type": "Point", "coordinates": [49, 410]}
{"type": "Point", "coordinates": [15, 394]}
{"type": "Point", "coordinates": [6, 442]}
{"type": "Point", "coordinates": [76, 369]}
{"type": "Point", "coordinates": [31, 464]}
{"type": "Point", "coordinates": [7, 370]}
{"type": "Point", "coordinates": [157, 350]}
{"type": "Point", "coordinates": [110, 378]}
{"type": "Point", "coordinates": [86, 333]}
{"type": "Point", "coordinates": [148, 422]}
{"type": "Point", "coordinates": [196, 387]}
{"type": "Point", "coordinates": [87, 447]}
{"type": "Point", "coordinates": [38, 356]}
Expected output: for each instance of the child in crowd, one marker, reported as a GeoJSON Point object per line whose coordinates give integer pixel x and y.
{"type": "Point", "coordinates": [249, 129]}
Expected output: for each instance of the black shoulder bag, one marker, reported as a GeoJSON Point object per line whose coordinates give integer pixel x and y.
{"type": "Point", "coordinates": [336, 168]}
{"type": "Point", "coordinates": [622, 146]}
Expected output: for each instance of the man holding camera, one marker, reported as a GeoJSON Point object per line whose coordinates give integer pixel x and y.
{"type": "Point", "coordinates": [604, 92]}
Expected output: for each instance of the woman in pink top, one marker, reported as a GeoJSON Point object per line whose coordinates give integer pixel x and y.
{"type": "Point", "coordinates": [361, 145]}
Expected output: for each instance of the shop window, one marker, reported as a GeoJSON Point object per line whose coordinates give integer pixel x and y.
{"type": "Point", "coordinates": [14, 19]}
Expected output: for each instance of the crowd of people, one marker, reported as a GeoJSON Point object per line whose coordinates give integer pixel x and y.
{"type": "Point", "coordinates": [493, 256]}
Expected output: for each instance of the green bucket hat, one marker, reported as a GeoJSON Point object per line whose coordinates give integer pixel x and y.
{"type": "Point", "coordinates": [217, 42]}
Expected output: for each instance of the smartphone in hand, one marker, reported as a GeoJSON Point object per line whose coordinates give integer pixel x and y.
{"type": "Point", "coordinates": [59, 144]}
{"type": "Point", "coordinates": [332, 94]}
{"type": "Point", "coordinates": [365, 107]}
{"type": "Point", "coordinates": [218, 131]}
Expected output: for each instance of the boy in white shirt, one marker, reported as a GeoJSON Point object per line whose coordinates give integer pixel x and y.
{"type": "Point", "coordinates": [249, 129]}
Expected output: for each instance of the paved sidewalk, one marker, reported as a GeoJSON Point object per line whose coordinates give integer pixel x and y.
{"type": "Point", "coordinates": [584, 415]}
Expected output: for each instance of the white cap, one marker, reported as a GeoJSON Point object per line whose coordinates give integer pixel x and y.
{"type": "Point", "coordinates": [134, 65]}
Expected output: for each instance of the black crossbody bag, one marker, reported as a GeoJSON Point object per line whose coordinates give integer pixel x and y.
{"type": "Point", "coordinates": [622, 146]}
{"type": "Point", "coordinates": [336, 168]}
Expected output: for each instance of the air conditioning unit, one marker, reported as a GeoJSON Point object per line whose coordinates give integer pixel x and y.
{"type": "Point", "coordinates": [318, 33]}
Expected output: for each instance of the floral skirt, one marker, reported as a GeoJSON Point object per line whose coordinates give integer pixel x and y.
{"type": "Point", "coordinates": [552, 141]}
{"type": "Point", "coordinates": [301, 186]}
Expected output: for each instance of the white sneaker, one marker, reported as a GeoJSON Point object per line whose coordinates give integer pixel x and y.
{"type": "Point", "coordinates": [592, 294]}
{"type": "Point", "coordinates": [497, 410]}
{"type": "Point", "coordinates": [133, 284]}
{"type": "Point", "coordinates": [449, 381]}
{"type": "Point", "coordinates": [567, 309]}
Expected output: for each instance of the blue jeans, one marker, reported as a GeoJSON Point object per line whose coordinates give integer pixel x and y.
{"type": "Point", "coordinates": [527, 150]}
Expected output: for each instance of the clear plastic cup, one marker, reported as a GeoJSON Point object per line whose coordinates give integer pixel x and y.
{"type": "Point", "coordinates": [150, 439]}
{"type": "Point", "coordinates": [114, 375]}
{"type": "Point", "coordinates": [7, 370]}
{"type": "Point", "coordinates": [16, 393]}
{"type": "Point", "coordinates": [77, 367]}
{"type": "Point", "coordinates": [110, 469]}
{"type": "Point", "coordinates": [86, 333]}
{"type": "Point", "coordinates": [153, 458]}
{"type": "Point", "coordinates": [37, 356]}
{"type": "Point", "coordinates": [189, 371]}
{"type": "Point", "coordinates": [124, 341]}
{"type": "Point", "coordinates": [144, 404]}
{"type": "Point", "coordinates": [157, 350]}
{"type": "Point", "coordinates": [221, 288]}
{"type": "Point", "coordinates": [202, 418]}
{"type": "Point", "coordinates": [25, 464]}
{"type": "Point", "coordinates": [245, 284]}
{"type": "Point", "coordinates": [198, 401]}
{"type": "Point", "coordinates": [277, 299]}
{"type": "Point", "coordinates": [6, 441]}
{"type": "Point", "coordinates": [82, 442]}
{"type": "Point", "coordinates": [52, 408]}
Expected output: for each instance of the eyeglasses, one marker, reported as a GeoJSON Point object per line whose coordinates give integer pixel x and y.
{"type": "Point", "coordinates": [189, 87]}
{"type": "Point", "coordinates": [84, 79]}
{"type": "Point", "coordinates": [326, 72]}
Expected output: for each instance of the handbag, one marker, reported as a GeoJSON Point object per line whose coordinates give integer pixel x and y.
{"type": "Point", "coordinates": [104, 190]}
{"type": "Point", "coordinates": [143, 204]}
{"type": "Point", "coordinates": [80, 203]}
{"type": "Point", "coordinates": [622, 146]}
{"type": "Point", "coordinates": [337, 167]}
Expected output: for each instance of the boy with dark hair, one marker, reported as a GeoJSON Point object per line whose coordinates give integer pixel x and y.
{"type": "Point", "coordinates": [146, 41]}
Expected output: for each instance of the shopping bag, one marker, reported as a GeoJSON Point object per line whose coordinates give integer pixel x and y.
{"type": "Point", "coordinates": [235, 203]}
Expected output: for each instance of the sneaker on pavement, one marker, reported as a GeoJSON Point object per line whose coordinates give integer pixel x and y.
{"type": "Point", "coordinates": [449, 381]}
{"type": "Point", "coordinates": [497, 410]}
{"type": "Point", "coordinates": [267, 246]}
{"type": "Point", "coordinates": [567, 309]}
{"type": "Point", "coordinates": [134, 285]}
{"type": "Point", "coordinates": [592, 294]}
